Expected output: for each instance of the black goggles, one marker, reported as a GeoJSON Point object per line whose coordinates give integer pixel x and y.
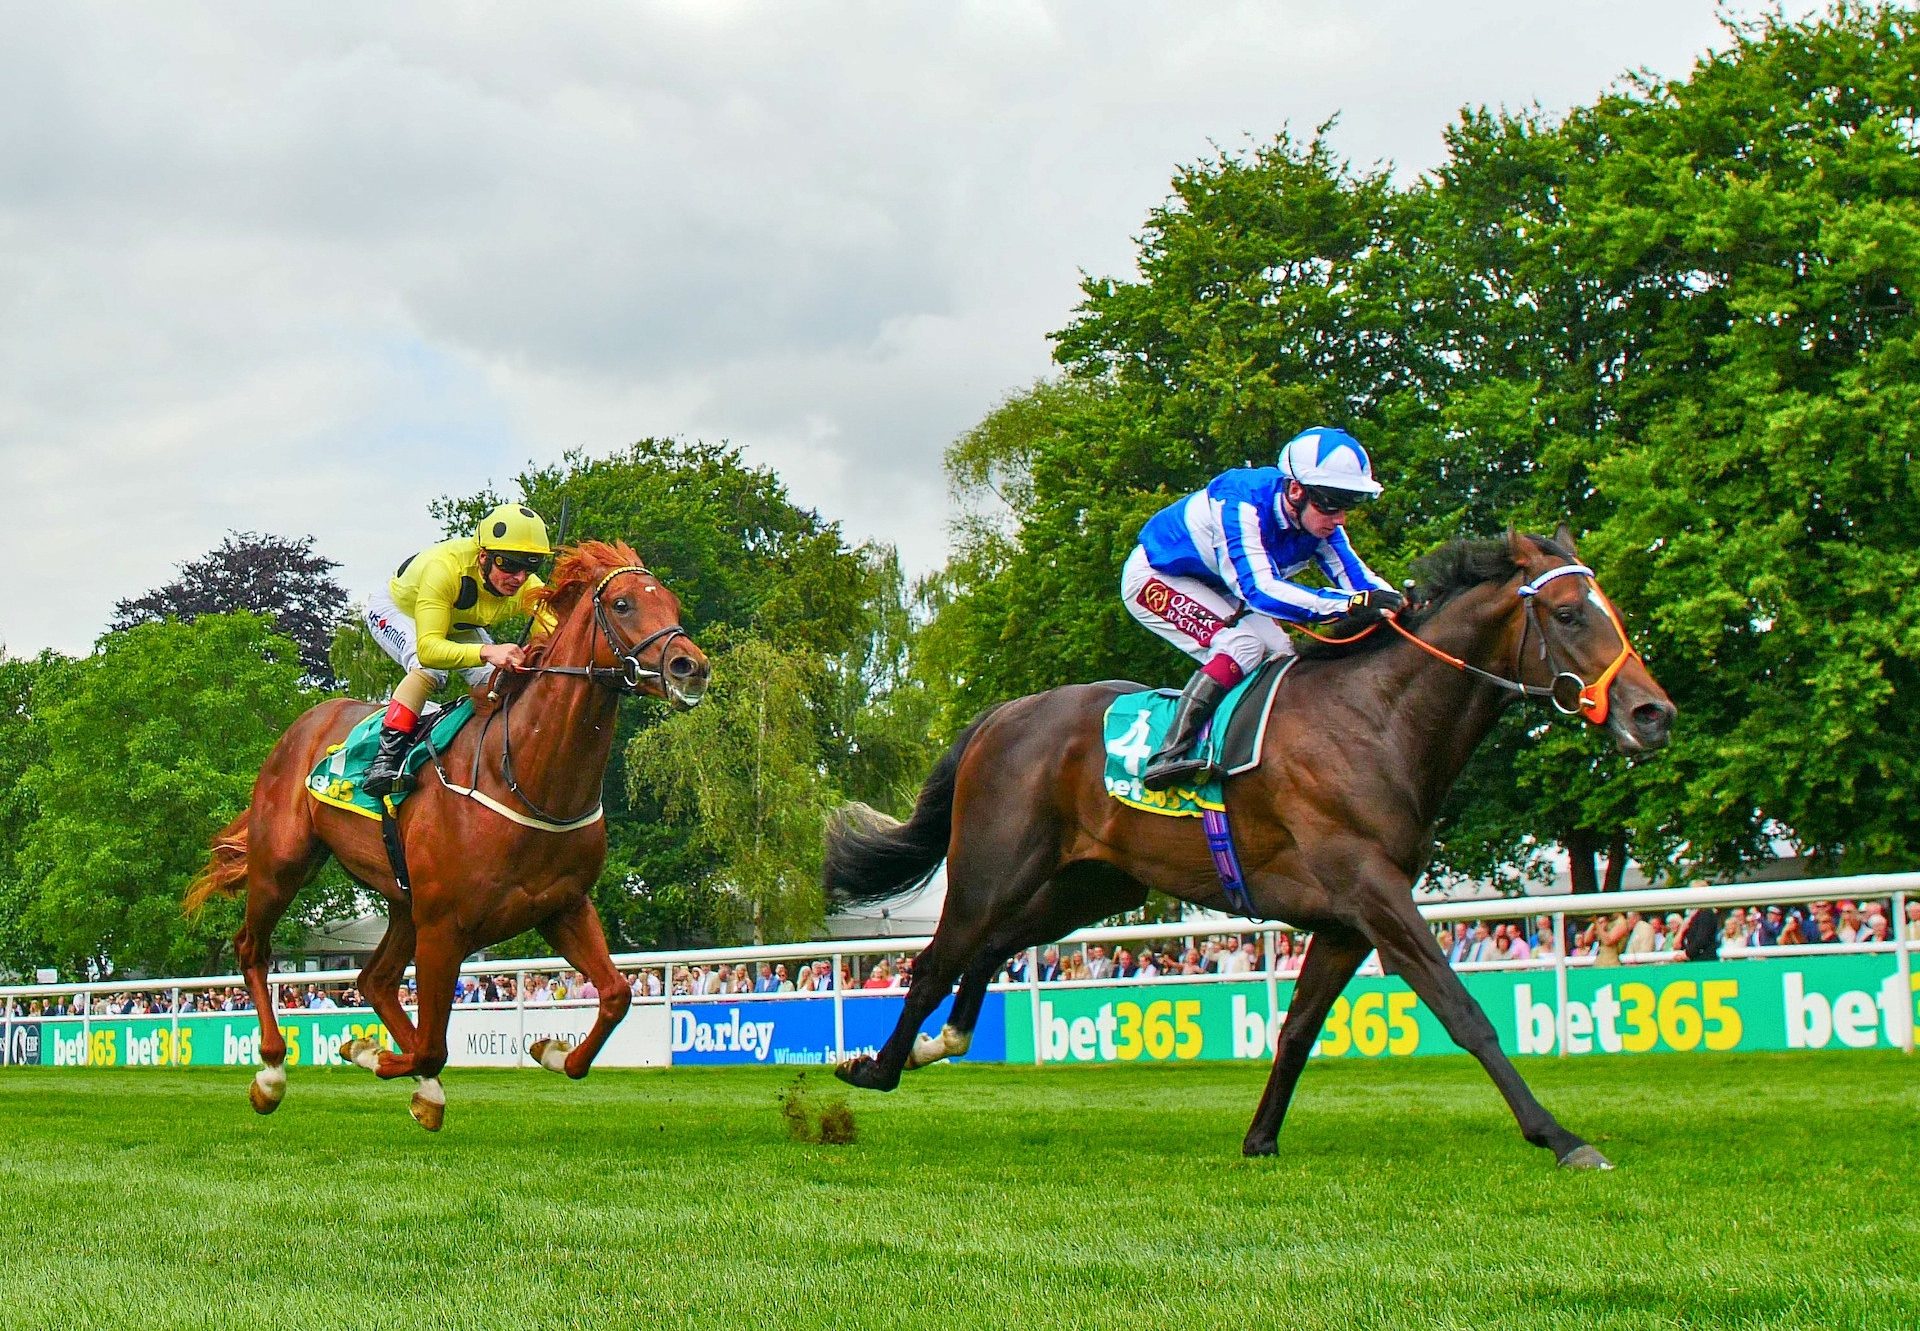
{"type": "Point", "coordinates": [1334, 502]}
{"type": "Point", "coordinates": [512, 563]}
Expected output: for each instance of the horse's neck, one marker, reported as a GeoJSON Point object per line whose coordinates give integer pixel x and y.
{"type": "Point", "coordinates": [1439, 713]}
{"type": "Point", "coordinates": [561, 727]}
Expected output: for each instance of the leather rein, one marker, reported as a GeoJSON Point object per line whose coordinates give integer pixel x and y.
{"type": "Point", "coordinates": [625, 678]}
{"type": "Point", "coordinates": [1590, 699]}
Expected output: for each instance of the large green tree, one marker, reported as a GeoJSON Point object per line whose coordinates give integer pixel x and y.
{"type": "Point", "coordinates": [742, 773]}
{"type": "Point", "coordinates": [145, 748]}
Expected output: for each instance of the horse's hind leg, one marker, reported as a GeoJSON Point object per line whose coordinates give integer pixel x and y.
{"type": "Point", "coordinates": [1078, 895]}
{"type": "Point", "coordinates": [1332, 957]}
{"type": "Point", "coordinates": [985, 885]}
{"type": "Point", "coordinates": [576, 934]}
{"type": "Point", "coordinates": [280, 861]}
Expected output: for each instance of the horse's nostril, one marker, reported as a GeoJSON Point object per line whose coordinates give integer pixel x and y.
{"type": "Point", "coordinates": [1652, 717]}
{"type": "Point", "coordinates": [681, 666]}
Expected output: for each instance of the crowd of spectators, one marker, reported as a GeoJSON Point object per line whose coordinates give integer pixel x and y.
{"type": "Point", "coordinates": [1613, 939]}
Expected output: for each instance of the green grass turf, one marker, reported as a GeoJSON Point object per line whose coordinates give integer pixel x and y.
{"type": "Point", "coordinates": [1753, 1191]}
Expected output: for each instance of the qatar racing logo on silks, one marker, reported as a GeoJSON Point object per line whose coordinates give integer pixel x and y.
{"type": "Point", "coordinates": [1191, 617]}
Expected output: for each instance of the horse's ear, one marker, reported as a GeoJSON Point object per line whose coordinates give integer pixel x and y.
{"type": "Point", "coordinates": [1563, 537]}
{"type": "Point", "coordinates": [1519, 547]}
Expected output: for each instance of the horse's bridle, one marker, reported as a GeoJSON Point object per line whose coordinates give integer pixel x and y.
{"type": "Point", "coordinates": [629, 675]}
{"type": "Point", "coordinates": [1589, 700]}
{"type": "Point", "coordinates": [627, 678]}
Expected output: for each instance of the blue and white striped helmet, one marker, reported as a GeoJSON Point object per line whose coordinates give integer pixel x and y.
{"type": "Point", "coordinates": [1324, 458]}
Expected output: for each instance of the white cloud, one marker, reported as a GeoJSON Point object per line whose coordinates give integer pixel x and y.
{"type": "Point", "coordinates": [303, 270]}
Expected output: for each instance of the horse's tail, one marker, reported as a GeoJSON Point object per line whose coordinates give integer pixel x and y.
{"type": "Point", "coordinates": [226, 867]}
{"type": "Point", "coordinates": [871, 857]}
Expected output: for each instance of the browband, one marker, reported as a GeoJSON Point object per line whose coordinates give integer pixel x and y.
{"type": "Point", "coordinates": [1564, 570]}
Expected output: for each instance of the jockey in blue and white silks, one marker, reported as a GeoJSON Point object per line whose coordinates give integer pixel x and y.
{"type": "Point", "coordinates": [1213, 574]}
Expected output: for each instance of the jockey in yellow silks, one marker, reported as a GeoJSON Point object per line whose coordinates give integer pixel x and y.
{"type": "Point", "coordinates": [433, 617]}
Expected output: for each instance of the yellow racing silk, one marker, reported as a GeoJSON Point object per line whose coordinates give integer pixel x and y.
{"type": "Point", "coordinates": [442, 590]}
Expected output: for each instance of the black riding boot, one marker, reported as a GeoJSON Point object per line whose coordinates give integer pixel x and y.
{"type": "Point", "coordinates": [1171, 766]}
{"type": "Point", "coordinates": [386, 774]}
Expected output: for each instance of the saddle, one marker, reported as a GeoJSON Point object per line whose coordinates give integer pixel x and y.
{"type": "Point", "coordinates": [1233, 741]}
{"type": "Point", "coordinates": [335, 779]}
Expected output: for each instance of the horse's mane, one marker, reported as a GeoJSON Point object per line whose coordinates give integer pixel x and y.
{"type": "Point", "coordinates": [1441, 575]}
{"type": "Point", "coordinates": [579, 570]}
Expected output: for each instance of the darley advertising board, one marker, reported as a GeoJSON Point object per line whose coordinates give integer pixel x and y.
{"type": "Point", "coordinates": [800, 1030]}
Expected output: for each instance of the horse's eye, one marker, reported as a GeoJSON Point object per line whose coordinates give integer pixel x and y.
{"type": "Point", "coordinates": [1567, 615]}
{"type": "Point", "coordinates": [623, 605]}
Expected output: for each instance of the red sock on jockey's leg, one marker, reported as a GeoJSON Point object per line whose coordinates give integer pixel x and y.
{"type": "Point", "coordinates": [400, 717]}
{"type": "Point", "coordinates": [1224, 671]}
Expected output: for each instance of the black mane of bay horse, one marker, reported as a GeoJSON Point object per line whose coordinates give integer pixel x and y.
{"type": "Point", "coordinates": [1332, 828]}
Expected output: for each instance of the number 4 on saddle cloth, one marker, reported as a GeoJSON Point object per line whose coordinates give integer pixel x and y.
{"type": "Point", "coordinates": [335, 779]}
{"type": "Point", "coordinates": [1135, 724]}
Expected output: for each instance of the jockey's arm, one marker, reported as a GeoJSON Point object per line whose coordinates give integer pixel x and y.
{"type": "Point", "coordinates": [1345, 569]}
{"type": "Point", "coordinates": [433, 622]}
{"type": "Point", "coordinates": [1250, 574]}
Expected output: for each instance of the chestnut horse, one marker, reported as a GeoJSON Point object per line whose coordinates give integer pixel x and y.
{"type": "Point", "coordinates": [1364, 742]}
{"type": "Point", "coordinates": [517, 851]}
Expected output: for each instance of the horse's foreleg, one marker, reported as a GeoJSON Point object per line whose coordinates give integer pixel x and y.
{"type": "Point", "coordinates": [1333, 955]}
{"type": "Point", "coordinates": [1409, 950]}
{"type": "Point", "coordinates": [437, 967]}
{"type": "Point", "coordinates": [576, 935]}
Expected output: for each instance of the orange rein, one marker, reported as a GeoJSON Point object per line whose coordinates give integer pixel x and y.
{"type": "Point", "coordinates": [1593, 697]}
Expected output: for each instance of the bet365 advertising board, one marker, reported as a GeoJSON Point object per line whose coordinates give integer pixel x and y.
{"type": "Point", "coordinates": [1819, 1002]}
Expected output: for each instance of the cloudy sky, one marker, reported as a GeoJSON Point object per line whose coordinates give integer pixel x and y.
{"type": "Point", "coordinates": [302, 269]}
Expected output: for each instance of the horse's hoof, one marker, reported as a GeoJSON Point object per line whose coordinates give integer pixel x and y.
{"type": "Point", "coordinates": [1584, 1157]}
{"type": "Point", "coordinates": [550, 1054]}
{"type": "Point", "coordinates": [1253, 1146]}
{"type": "Point", "coordinates": [362, 1052]}
{"type": "Point", "coordinates": [267, 1089]}
{"type": "Point", "coordinates": [429, 1105]}
{"type": "Point", "coordinates": [864, 1072]}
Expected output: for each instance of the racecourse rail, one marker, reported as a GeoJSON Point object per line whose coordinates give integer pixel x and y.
{"type": "Point", "coordinates": [1851, 996]}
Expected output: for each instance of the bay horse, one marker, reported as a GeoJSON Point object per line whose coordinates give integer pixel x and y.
{"type": "Point", "coordinates": [1365, 740]}
{"type": "Point", "coordinates": [517, 848]}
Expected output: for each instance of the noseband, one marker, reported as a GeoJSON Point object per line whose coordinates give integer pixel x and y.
{"type": "Point", "coordinates": [1592, 702]}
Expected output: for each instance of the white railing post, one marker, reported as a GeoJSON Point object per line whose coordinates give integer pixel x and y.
{"type": "Point", "coordinates": [1903, 951]}
{"type": "Point", "coordinates": [839, 1010]}
{"type": "Point", "coordinates": [6, 1035]}
{"type": "Point", "coordinates": [520, 1019]}
{"type": "Point", "coordinates": [1560, 981]}
{"type": "Point", "coordinates": [86, 1030]}
{"type": "Point", "coordinates": [173, 1030]}
{"type": "Point", "coordinates": [1033, 1004]}
{"type": "Point", "coordinates": [1273, 985]}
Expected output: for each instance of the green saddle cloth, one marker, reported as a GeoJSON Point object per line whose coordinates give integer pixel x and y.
{"type": "Point", "coordinates": [336, 778]}
{"type": "Point", "coordinates": [1137, 722]}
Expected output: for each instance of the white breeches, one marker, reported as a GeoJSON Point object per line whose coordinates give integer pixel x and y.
{"type": "Point", "coordinates": [1193, 616]}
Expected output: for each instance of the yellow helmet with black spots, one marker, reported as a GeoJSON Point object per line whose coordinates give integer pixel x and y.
{"type": "Point", "coordinates": [514, 529]}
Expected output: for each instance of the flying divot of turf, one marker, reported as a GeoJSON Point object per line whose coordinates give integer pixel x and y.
{"type": "Point", "coordinates": [816, 1122]}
